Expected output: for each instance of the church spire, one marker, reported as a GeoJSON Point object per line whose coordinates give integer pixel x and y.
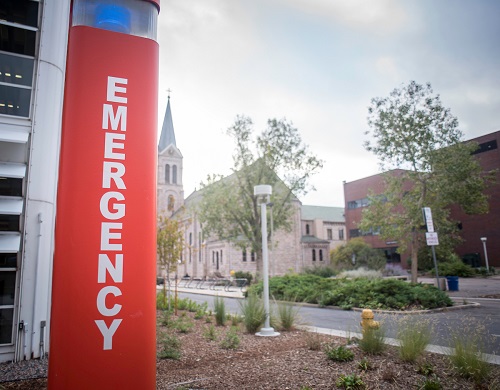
{"type": "Point", "coordinates": [167, 136]}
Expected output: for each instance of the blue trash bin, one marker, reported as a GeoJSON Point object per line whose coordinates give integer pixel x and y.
{"type": "Point", "coordinates": [452, 283]}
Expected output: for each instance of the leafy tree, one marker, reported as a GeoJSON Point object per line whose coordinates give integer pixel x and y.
{"type": "Point", "coordinates": [229, 210]}
{"type": "Point", "coordinates": [364, 256]}
{"type": "Point", "coordinates": [169, 243]}
{"type": "Point", "coordinates": [411, 130]}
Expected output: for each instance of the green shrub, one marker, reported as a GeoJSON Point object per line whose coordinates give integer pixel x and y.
{"type": "Point", "coordinates": [183, 303]}
{"type": "Point", "coordinates": [161, 301]}
{"type": "Point", "coordinates": [254, 314]}
{"type": "Point", "coordinates": [413, 336]}
{"type": "Point", "coordinates": [201, 311]}
{"type": "Point", "coordinates": [170, 347]}
{"type": "Point", "coordinates": [365, 255]}
{"type": "Point", "coordinates": [456, 268]}
{"type": "Point", "coordinates": [210, 333]}
{"type": "Point", "coordinates": [166, 318]}
{"type": "Point", "coordinates": [322, 271]}
{"type": "Point", "coordinates": [244, 275]}
{"type": "Point", "coordinates": [339, 354]}
{"type": "Point", "coordinates": [364, 364]}
{"type": "Point", "coordinates": [351, 381]}
{"type": "Point", "coordinates": [183, 324]}
{"type": "Point", "coordinates": [374, 294]}
{"type": "Point", "coordinates": [220, 311]}
{"type": "Point", "coordinates": [430, 384]}
{"type": "Point", "coordinates": [372, 341]}
{"type": "Point", "coordinates": [231, 340]}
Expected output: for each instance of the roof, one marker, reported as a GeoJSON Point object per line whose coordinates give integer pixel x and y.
{"type": "Point", "coordinates": [313, 240]}
{"type": "Point", "coordinates": [325, 213]}
{"type": "Point", "coordinates": [167, 136]}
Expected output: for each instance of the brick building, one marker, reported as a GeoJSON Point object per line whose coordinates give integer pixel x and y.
{"type": "Point", "coordinates": [473, 227]}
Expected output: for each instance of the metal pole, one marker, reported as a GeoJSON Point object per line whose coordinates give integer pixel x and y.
{"type": "Point", "coordinates": [271, 246]}
{"type": "Point", "coordinates": [486, 256]}
{"type": "Point", "coordinates": [267, 330]}
{"type": "Point", "coordinates": [435, 266]}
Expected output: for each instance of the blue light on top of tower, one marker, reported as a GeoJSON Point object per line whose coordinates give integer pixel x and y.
{"type": "Point", "coordinates": [113, 18]}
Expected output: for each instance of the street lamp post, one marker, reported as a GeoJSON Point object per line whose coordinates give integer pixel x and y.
{"type": "Point", "coordinates": [265, 191]}
{"type": "Point", "coordinates": [483, 239]}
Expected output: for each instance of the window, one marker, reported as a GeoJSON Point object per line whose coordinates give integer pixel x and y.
{"type": "Point", "coordinates": [244, 255]}
{"type": "Point", "coordinates": [8, 266]}
{"type": "Point", "coordinates": [314, 254]}
{"type": "Point", "coordinates": [341, 234]}
{"type": "Point", "coordinates": [11, 186]}
{"type": "Point", "coordinates": [354, 233]}
{"type": "Point", "coordinates": [307, 229]}
{"type": "Point", "coordinates": [9, 223]}
{"type": "Point", "coordinates": [252, 256]}
{"type": "Point", "coordinates": [321, 255]}
{"type": "Point", "coordinates": [486, 146]}
{"type": "Point", "coordinates": [329, 234]}
{"type": "Point", "coordinates": [190, 238]}
{"type": "Point", "coordinates": [167, 174]}
{"type": "Point", "coordinates": [221, 256]}
{"type": "Point", "coordinates": [18, 31]}
{"type": "Point", "coordinates": [174, 174]}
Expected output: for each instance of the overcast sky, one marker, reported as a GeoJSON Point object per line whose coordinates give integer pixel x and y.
{"type": "Point", "coordinates": [318, 63]}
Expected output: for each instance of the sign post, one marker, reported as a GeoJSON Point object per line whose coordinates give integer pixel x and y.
{"type": "Point", "coordinates": [103, 316]}
{"type": "Point", "coordinates": [432, 238]}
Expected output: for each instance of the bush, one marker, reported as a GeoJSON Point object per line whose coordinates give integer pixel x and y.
{"type": "Point", "coordinates": [287, 314]}
{"type": "Point", "coordinates": [244, 275]}
{"type": "Point", "coordinates": [231, 340]}
{"type": "Point", "coordinates": [456, 269]}
{"type": "Point", "coordinates": [365, 256]}
{"type": "Point", "coordinates": [352, 381]}
{"type": "Point", "coordinates": [210, 333]}
{"type": "Point", "coordinates": [161, 301]}
{"type": "Point", "coordinates": [360, 272]}
{"type": "Point", "coordinates": [254, 314]}
{"type": "Point", "coordinates": [373, 294]}
{"type": "Point", "coordinates": [170, 347]}
{"type": "Point", "coordinates": [322, 271]}
{"type": "Point", "coordinates": [339, 354]}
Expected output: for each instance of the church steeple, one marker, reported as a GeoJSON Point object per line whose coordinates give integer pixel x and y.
{"type": "Point", "coordinates": [167, 136]}
{"type": "Point", "coordinates": [170, 194]}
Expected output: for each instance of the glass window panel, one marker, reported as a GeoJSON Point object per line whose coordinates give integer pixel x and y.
{"type": "Point", "coordinates": [6, 322]}
{"type": "Point", "coordinates": [8, 260]}
{"type": "Point", "coordinates": [15, 101]}
{"type": "Point", "coordinates": [10, 186]}
{"type": "Point", "coordinates": [19, 11]}
{"type": "Point", "coordinates": [16, 70]}
{"type": "Point", "coordinates": [9, 223]}
{"type": "Point", "coordinates": [7, 287]}
{"type": "Point", "coordinates": [17, 40]}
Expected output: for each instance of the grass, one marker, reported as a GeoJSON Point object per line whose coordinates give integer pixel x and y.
{"type": "Point", "coordinates": [413, 336]}
{"type": "Point", "coordinates": [468, 357]}
{"type": "Point", "coordinates": [254, 315]}
{"type": "Point", "coordinates": [372, 341]}
{"type": "Point", "coordinates": [287, 315]}
{"type": "Point", "coordinates": [220, 311]}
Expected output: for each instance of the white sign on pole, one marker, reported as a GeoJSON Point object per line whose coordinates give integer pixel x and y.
{"type": "Point", "coordinates": [428, 219]}
{"type": "Point", "coordinates": [432, 238]}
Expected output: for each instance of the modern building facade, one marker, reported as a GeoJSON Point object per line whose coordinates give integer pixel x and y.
{"type": "Point", "coordinates": [33, 41]}
{"type": "Point", "coordinates": [473, 227]}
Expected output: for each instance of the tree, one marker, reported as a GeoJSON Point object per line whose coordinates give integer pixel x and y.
{"type": "Point", "coordinates": [277, 157]}
{"type": "Point", "coordinates": [411, 130]}
{"type": "Point", "coordinates": [169, 243]}
{"type": "Point", "coordinates": [357, 253]}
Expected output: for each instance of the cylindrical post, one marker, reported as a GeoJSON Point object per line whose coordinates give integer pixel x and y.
{"type": "Point", "coordinates": [485, 254]}
{"type": "Point", "coordinates": [103, 316]}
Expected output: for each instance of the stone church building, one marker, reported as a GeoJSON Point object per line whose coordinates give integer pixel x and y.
{"type": "Point", "coordinates": [315, 229]}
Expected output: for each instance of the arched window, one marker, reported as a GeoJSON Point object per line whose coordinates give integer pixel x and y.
{"type": "Point", "coordinates": [174, 174]}
{"type": "Point", "coordinates": [171, 203]}
{"type": "Point", "coordinates": [314, 254]}
{"type": "Point", "coordinates": [307, 229]}
{"type": "Point", "coordinates": [167, 174]}
{"type": "Point", "coordinates": [321, 255]}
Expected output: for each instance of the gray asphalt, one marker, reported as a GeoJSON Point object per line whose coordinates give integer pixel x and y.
{"type": "Point", "coordinates": [482, 320]}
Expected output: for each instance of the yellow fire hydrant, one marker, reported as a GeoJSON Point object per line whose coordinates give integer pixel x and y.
{"type": "Point", "coordinates": [367, 320]}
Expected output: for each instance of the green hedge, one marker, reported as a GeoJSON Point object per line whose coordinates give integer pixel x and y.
{"type": "Point", "coordinates": [389, 294]}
